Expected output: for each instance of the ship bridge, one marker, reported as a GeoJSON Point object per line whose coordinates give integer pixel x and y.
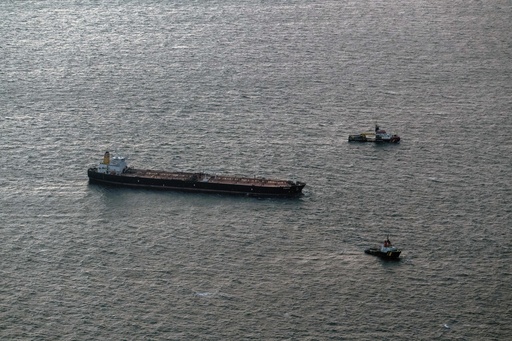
{"type": "Point", "coordinates": [112, 165]}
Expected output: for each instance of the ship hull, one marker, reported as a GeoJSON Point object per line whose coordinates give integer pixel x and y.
{"type": "Point", "coordinates": [362, 138]}
{"type": "Point", "coordinates": [390, 255]}
{"type": "Point", "coordinates": [191, 182]}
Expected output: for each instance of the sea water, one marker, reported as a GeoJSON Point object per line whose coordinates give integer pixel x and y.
{"type": "Point", "coordinates": [256, 88]}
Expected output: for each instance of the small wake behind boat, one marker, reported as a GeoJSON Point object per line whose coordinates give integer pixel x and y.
{"type": "Point", "coordinates": [386, 251]}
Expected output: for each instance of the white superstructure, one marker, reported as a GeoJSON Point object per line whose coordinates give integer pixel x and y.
{"type": "Point", "coordinates": [387, 247]}
{"type": "Point", "coordinates": [112, 165]}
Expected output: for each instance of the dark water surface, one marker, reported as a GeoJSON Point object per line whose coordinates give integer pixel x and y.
{"type": "Point", "coordinates": [266, 88]}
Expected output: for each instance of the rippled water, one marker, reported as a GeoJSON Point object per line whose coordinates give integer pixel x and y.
{"type": "Point", "coordinates": [266, 88]}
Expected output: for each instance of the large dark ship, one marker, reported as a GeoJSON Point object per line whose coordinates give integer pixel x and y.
{"type": "Point", "coordinates": [115, 171]}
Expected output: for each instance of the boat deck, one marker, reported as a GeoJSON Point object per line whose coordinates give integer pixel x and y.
{"type": "Point", "coordinates": [203, 177]}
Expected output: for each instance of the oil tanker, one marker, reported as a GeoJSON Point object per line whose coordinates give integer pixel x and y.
{"type": "Point", "coordinates": [113, 170]}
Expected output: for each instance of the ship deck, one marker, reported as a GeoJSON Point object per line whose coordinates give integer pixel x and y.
{"type": "Point", "coordinates": [203, 177]}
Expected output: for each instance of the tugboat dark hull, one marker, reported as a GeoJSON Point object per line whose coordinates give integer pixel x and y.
{"type": "Point", "coordinates": [363, 138]}
{"type": "Point", "coordinates": [390, 255]}
{"type": "Point", "coordinates": [198, 182]}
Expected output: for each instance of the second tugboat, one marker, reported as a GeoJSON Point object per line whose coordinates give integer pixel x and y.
{"type": "Point", "coordinates": [380, 135]}
{"type": "Point", "coordinates": [115, 171]}
{"type": "Point", "coordinates": [386, 251]}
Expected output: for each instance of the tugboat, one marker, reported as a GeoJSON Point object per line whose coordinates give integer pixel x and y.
{"type": "Point", "coordinates": [386, 251]}
{"type": "Point", "coordinates": [113, 170]}
{"type": "Point", "coordinates": [379, 136]}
